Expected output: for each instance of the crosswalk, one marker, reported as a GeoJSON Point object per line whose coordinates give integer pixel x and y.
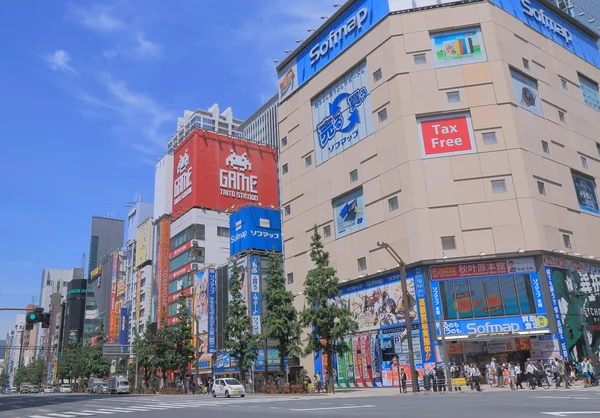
{"type": "Point", "coordinates": [147, 404]}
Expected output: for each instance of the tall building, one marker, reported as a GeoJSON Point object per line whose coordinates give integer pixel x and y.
{"type": "Point", "coordinates": [261, 127]}
{"type": "Point", "coordinates": [107, 235]}
{"type": "Point", "coordinates": [208, 120]}
{"type": "Point", "coordinates": [53, 281]}
{"type": "Point", "coordinates": [15, 347]}
{"type": "Point", "coordinates": [464, 136]}
{"type": "Point", "coordinates": [585, 11]}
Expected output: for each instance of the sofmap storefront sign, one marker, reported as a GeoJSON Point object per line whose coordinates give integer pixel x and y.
{"type": "Point", "coordinates": [504, 325]}
{"type": "Point", "coordinates": [553, 26]}
{"type": "Point", "coordinates": [335, 39]}
{"type": "Point", "coordinates": [256, 228]}
{"type": "Point", "coordinates": [342, 114]}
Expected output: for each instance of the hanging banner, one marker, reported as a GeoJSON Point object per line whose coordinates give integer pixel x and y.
{"type": "Point", "coordinates": [349, 358]}
{"type": "Point", "coordinates": [359, 381]}
{"type": "Point", "coordinates": [376, 358]}
{"type": "Point", "coordinates": [212, 310]}
{"type": "Point", "coordinates": [421, 294]}
{"type": "Point", "coordinates": [255, 293]}
{"type": "Point", "coordinates": [341, 370]}
{"type": "Point", "coordinates": [564, 349]}
{"type": "Point", "coordinates": [366, 354]}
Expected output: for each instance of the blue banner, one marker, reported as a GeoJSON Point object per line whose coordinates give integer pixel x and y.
{"type": "Point", "coordinates": [212, 310]}
{"type": "Point", "coordinates": [503, 324]}
{"type": "Point", "coordinates": [536, 287]}
{"type": "Point", "coordinates": [123, 330]}
{"type": "Point", "coordinates": [423, 308]}
{"type": "Point", "coordinates": [557, 316]}
{"type": "Point", "coordinates": [255, 293]}
{"type": "Point", "coordinates": [255, 228]}
{"type": "Point", "coordinates": [551, 25]}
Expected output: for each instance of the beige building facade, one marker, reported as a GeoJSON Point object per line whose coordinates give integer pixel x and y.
{"type": "Point", "coordinates": [490, 157]}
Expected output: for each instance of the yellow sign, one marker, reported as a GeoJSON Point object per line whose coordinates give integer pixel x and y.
{"type": "Point", "coordinates": [460, 381]}
{"type": "Point", "coordinates": [96, 272]}
{"type": "Point", "coordinates": [143, 243]}
{"type": "Point", "coordinates": [541, 321]}
{"type": "Point", "coordinates": [425, 329]}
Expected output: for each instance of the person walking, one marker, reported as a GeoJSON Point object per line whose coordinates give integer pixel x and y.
{"type": "Point", "coordinates": [590, 369]}
{"type": "Point", "coordinates": [559, 372]}
{"type": "Point", "coordinates": [493, 372]}
{"type": "Point", "coordinates": [326, 381]}
{"type": "Point", "coordinates": [403, 378]}
{"type": "Point", "coordinates": [476, 377]}
{"type": "Point", "coordinates": [317, 379]}
{"type": "Point", "coordinates": [440, 375]}
{"type": "Point", "coordinates": [518, 376]}
{"type": "Point", "coordinates": [586, 373]}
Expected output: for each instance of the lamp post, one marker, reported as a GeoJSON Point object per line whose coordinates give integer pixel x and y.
{"type": "Point", "coordinates": [407, 320]}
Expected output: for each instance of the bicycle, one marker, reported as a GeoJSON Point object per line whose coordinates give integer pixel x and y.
{"type": "Point", "coordinates": [535, 381]}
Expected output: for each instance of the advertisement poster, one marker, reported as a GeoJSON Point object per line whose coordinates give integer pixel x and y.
{"type": "Point", "coordinates": [396, 373]}
{"type": "Point", "coordinates": [349, 358]}
{"type": "Point", "coordinates": [377, 303]}
{"type": "Point", "coordinates": [459, 47]}
{"type": "Point", "coordinates": [212, 310]}
{"type": "Point", "coordinates": [445, 135]}
{"type": "Point", "coordinates": [143, 248]}
{"type": "Point", "coordinates": [359, 382]}
{"type": "Point", "coordinates": [201, 300]}
{"type": "Point", "coordinates": [526, 93]}
{"type": "Point", "coordinates": [585, 188]}
{"type": "Point", "coordinates": [255, 293]}
{"type": "Point", "coordinates": [341, 370]}
{"type": "Point", "coordinates": [545, 347]}
{"type": "Point", "coordinates": [113, 314]}
{"type": "Point", "coordinates": [349, 213]}
{"type": "Point", "coordinates": [421, 295]}
{"type": "Point", "coordinates": [342, 114]}
{"type": "Point", "coordinates": [575, 291]}
{"type": "Point", "coordinates": [376, 359]}
{"type": "Point", "coordinates": [483, 269]}
{"type": "Point", "coordinates": [386, 373]}
{"type": "Point", "coordinates": [365, 346]}
{"type": "Point", "coordinates": [123, 328]}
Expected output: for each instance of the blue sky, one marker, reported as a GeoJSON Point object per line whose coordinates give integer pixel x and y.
{"type": "Point", "coordinates": [90, 92]}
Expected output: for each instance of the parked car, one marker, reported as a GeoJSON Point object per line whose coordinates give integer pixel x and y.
{"type": "Point", "coordinates": [118, 384]}
{"type": "Point", "coordinates": [6, 389]}
{"type": "Point", "coordinates": [34, 389]}
{"type": "Point", "coordinates": [228, 387]}
{"type": "Point", "coordinates": [100, 387]}
{"type": "Point", "coordinates": [24, 388]}
{"type": "Point", "coordinates": [48, 389]}
{"type": "Point", "coordinates": [65, 388]}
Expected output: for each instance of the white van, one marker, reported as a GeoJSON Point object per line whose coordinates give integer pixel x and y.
{"type": "Point", "coordinates": [228, 387]}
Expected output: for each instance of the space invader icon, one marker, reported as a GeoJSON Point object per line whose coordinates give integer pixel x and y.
{"type": "Point", "coordinates": [238, 162]}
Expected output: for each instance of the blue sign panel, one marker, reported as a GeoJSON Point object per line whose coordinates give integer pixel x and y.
{"type": "Point", "coordinates": [349, 213]}
{"type": "Point", "coordinates": [510, 324]}
{"type": "Point", "coordinates": [255, 293]}
{"type": "Point", "coordinates": [212, 311]}
{"type": "Point", "coordinates": [552, 26]}
{"type": "Point", "coordinates": [422, 309]}
{"type": "Point", "coordinates": [123, 330]}
{"type": "Point", "coordinates": [255, 228]}
{"type": "Point", "coordinates": [343, 32]}
{"type": "Point", "coordinates": [557, 316]}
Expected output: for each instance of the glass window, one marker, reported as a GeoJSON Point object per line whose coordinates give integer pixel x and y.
{"type": "Point", "coordinates": [290, 278]}
{"type": "Point", "coordinates": [498, 186]}
{"type": "Point", "coordinates": [463, 299]}
{"type": "Point", "coordinates": [448, 243]}
{"type": "Point", "coordinates": [222, 231]}
{"type": "Point", "coordinates": [382, 115]}
{"type": "Point", "coordinates": [308, 160]}
{"type": "Point", "coordinates": [509, 295]}
{"type": "Point", "coordinates": [174, 286]}
{"type": "Point", "coordinates": [327, 231]}
{"type": "Point", "coordinates": [453, 96]}
{"type": "Point", "coordinates": [377, 75]}
{"type": "Point", "coordinates": [420, 59]}
{"type": "Point", "coordinates": [362, 264]}
{"type": "Point", "coordinates": [493, 296]}
{"type": "Point", "coordinates": [563, 83]}
{"type": "Point", "coordinates": [393, 203]}
{"type": "Point", "coordinates": [447, 292]}
{"type": "Point", "coordinates": [173, 309]}
{"type": "Point", "coordinates": [284, 168]}
{"type": "Point", "coordinates": [179, 261]}
{"type": "Point", "coordinates": [287, 209]}
{"type": "Point", "coordinates": [589, 90]}
{"type": "Point", "coordinates": [478, 297]}
{"type": "Point", "coordinates": [489, 138]}
{"type": "Point", "coordinates": [541, 187]}
{"type": "Point", "coordinates": [353, 176]}
{"type": "Point", "coordinates": [192, 232]}
{"type": "Point", "coordinates": [567, 240]}
{"type": "Point", "coordinates": [525, 63]}
{"type": "Point", "coordinates": [545, 147]}
{"type": "Point", "coordinates": [525, 294]}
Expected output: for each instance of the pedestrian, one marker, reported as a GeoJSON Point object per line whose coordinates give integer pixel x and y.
{"type": "Point", "coordinates": [476, 376]}
{"type": "Point", "coordinates": [403, 378]}
{"type": "Point", "coordinates": [455, 373]}
{"type": "Point", "coordinates": [559, 371]}
{"type": "Point", "coordinates": [467, 374]}
{"type": "Point", "coordinates": [326, 381]}
{"type": "Point", "coordinates": [250, 385]}
{"type": "Point", "coordinates": [518, 376]}
{"type": "Point", "coordinates": [317, 379]}
{"type": "Point", "coordinates": [590, 369]}
{"type": "Point", "coordinates": [440, 375]}
{"type": "Point", "coordinates": [512, 376]}
{"type": "Point", "coordinates": [586, 373]}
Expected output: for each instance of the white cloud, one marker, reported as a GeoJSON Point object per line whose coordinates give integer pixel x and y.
{"type": "Point", "coordinates": [97, 18]}
{"type": "Point", "coordinates": [146, 48]}
{"type": "Point", "coordinates": [59, 61]}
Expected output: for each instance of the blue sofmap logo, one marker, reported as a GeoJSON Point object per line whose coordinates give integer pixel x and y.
{"type": "Point", "coordinates": [334, 122]}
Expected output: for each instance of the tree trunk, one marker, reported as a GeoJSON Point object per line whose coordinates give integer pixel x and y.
{"type": "Point", "coordinates": [330, 371]}
{"type": "Point", "coordinates": [282, 367]}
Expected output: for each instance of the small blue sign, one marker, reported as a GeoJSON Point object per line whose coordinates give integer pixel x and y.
{"type": "Point", "coordinates": [212, 311]}
{"type": "Point", "coordinates": [123, 330]}
{"type": "Point", "coordinates": [553, 26]}
{"type": "Point", "coordinates": [255, 228]}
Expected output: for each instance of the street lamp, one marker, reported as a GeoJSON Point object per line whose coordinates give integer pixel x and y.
{"type": "Point", "coordinates": [407, 320]}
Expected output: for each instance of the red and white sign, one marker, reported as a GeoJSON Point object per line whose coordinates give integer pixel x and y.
{"type": "Point", "coordinates": [442, 136]}
{"type": "Point", "coordinates": [180, 271]}
{"type": "Point", "coordinates": [162, 268]}
{"type": "Point", "coordinates": [483, 269]}
{"type": "Point", "coordinates": [175, 296]}
{"type": "Point", "coordinates": [180, 250]}
{"type": "Point", "coordinates": [217, 172]}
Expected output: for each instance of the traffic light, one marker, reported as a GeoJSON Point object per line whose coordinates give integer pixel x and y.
{"type": "Point", "coordinates": [33, 317]}
{"type": "Point", "coordinates": [46, 320]}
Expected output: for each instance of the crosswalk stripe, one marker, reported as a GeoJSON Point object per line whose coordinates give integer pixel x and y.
{"type": "Point", "coordinates": [79, 413]}
{"type": "Point", "coordinates": [65, 415]}
{"type": "Point", "coordinates": [112, 411]}
{"type": "Point", "coordinates": [101, 412]}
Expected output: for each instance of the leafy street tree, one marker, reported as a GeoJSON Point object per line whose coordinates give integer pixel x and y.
{"type": "Point", "coordinates": [176, 347]}
{"type": "Point", "coordinates": [240, 341]}
{"type": "Point", "coordinates": [4, 377]}
{"type": "Point", "coordinates": [281, 320]}
{"type": "Point", "coordinates": [98, 366]}
{"type": "Point", "coordinates": [33, 372]}
{"type": "Point", "coordinates": [147, 352]}
{"type": "Point", "coordinates": [329, 323]}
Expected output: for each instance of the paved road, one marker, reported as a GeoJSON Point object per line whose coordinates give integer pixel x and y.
{"type": "Point", "coordinates": [498, 404]}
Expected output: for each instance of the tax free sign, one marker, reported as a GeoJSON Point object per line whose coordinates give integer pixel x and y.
{"type": "Point", "coordinates": [331, 42]}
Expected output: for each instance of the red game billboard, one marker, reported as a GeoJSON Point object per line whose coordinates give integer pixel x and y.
{"type": "Point", "coordinates": [217, 172]}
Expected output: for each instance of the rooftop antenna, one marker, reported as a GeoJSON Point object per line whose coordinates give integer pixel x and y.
{"type": "Point", "coordinates": [110, 212]}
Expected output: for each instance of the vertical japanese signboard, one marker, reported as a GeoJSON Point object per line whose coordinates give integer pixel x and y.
{"type": "Point", "coordinates": [212, 310]}
{"type": "Point", "coordinates": [255, 293]}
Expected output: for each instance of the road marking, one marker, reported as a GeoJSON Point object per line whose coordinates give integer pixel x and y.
{"type": "Point", "coordinates": [332, 407]}
{"type": "Point", "coordinates": [100, 411]}
{"type": "Point", "coordinates": [112, 411]}
{"type": "Point", "coordinates": [564, 414]}
{"type": "Point", "coordinates": [274, 407]}
{"type": "Point", "coordinates": [65, 415]}
{"type": "Point", "coordinates": [79, 413]}
{"type": "Point", "coordinates": [577, 398]}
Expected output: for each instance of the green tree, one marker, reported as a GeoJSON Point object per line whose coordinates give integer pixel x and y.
{"type": "Point", "coordinates": [97, 365]}
{"type": "Point", "coordinates": [329, 323]}
{"type": "Point", "coordinates": [241, 343]}
{"type": "Point", "coordinates": [147, 351]}
{"type": "Point", "coordinates": [4, 377]}
{"type": "Point", "coordinates": [281, 319]}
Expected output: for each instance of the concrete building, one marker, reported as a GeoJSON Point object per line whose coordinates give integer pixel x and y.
{"type": "Point", "coordinates": [14, 347]}
{"type": "Point", "coordinates": [463, 136]}
{"type": "Point", "coordinates": [53, 281]}
{"type": "Point", "coordinates": [261, 127]}
{"type": "Point", "coordinates": [106, 235]}
{"type": "Point", "coordinates": [208, 120]}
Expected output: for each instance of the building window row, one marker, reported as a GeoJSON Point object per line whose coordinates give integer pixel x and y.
{"type": "Point", "coordinates": [188, 257]}
{"type": "Point", "coordinates": [192, 232]}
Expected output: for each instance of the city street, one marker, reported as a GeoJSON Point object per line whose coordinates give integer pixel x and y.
{"type": "Point", "coordinates": [495, 404]}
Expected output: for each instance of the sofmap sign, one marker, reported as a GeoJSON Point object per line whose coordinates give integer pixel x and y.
{"type": "Point", "coordinates": [256, 228]}
{"type": "Point", "coordinates": [553, 26]}
{"type": "Point", "coordinates": [255, 293]}
{"type": "Point", "coordinates": [335, 39]}
{"type": "Point", "coordinates": [496, 325]}
{"type": "Point", "coordinates": [212, 310]}
{"type": "Point", "coordinates": [342, 114]}
{"type": "Point", "coordinates": [349, 213]}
